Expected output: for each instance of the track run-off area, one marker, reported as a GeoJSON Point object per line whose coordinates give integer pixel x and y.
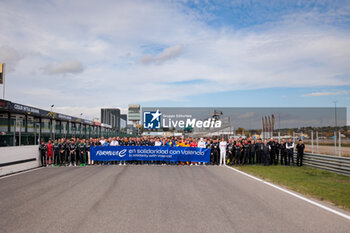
{"type": "Point", "coordinates": [157, 199]}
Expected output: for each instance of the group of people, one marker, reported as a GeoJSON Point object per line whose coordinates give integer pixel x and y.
{"type": "Point", "coordinates": [240, 151]}
{"type": "Point", "coordinates": [249, 151]}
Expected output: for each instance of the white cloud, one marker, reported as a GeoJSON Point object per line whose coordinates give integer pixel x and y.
{"type": "Point", "coordinates": [167, 54]}
{"type": "Point", "coordinates": [114, 43]}
{"type": "Point", "coordinates": [326, 93]}
{"type": "Point", "coordinates": [10, 56]}
{"type": "Point", "coordinates": [66, 67]}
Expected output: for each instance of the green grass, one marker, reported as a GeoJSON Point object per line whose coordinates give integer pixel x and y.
{"type": "Point", "coordinates": [320, 184]}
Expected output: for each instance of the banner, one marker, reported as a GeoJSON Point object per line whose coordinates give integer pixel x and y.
{"type": "Point", "coordinates": [150, 153]}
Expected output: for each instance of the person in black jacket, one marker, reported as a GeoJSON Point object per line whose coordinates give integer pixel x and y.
{"type": "Point", "coordinates": [259, 151]}
{"type": "Point", "coordinates": [81, 150]}
{"type": "Point", "coordinates": [283, 152]}
{"type": "Point", "coordinates": [276, 151]}
{"type": "Point", "coordinates": [300, 153]}
{"type": "Point", "coordinates": [230, 152]}
{"type": "Point", "coordinates": [215, 152]}
{"type": "Point", "coordinates": [56, 153]}
{"type": "Point", "coordinates": [62, 147]}
{"type": "Point", "coordinates": [252, 150]}
{"type": "Point", "coordinates": [271, 143]}
{"type": "Point", "coordinates": [238, 153]}
{"type": "Point", "coordinates": [77, 154]}
{"type": "Point", "coordinates": [43, 149]}
{"type": "Point", "coordinates": [246, 151]}
{"type": "Point", "coordinates": [72, 147]}
{"type": "Point", "coordinates": [266, 149]}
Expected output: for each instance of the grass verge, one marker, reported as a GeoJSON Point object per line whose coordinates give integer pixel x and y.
{"type": "Point", "coordinates": [320, 184]}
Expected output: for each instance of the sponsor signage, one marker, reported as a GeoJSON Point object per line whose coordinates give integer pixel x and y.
{"type": "Point", "coordinates": [39, 112]}
{"type": "Point", "coordinates": [157, 120]}
{"type": "Point", "coordinates": [150, 153]}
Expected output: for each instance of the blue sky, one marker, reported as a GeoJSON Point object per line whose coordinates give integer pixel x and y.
{"type": "Point", "coordinates": [83, 55]}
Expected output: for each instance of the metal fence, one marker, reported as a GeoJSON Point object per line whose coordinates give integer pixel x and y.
{"type": "Point", "coordinates": [339, 165]}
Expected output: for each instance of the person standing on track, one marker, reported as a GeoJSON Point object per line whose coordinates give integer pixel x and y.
{"type": "Point", "coordinates": [62, 146]}
{"type": "Point", "coordinates": [49, 146]}
{"type": "Point", "coordinates": [81, 149]}
{"type": "Point", "coordinates": [72, 147]}
{"type": "Point", "coordinates": [193, 143]}
{"type": "Point", "coordinates": [223, 146]}
{"type": "Point", "coordinates": [201, 144]}
{"type": "Point", "coordinates": [266, 149]}
{"type": "Point", "coordinates": [246, 152]}
{"type": "Point", "coordinates": [106, 143]}
{"type": "Point", "coordinates": [277, 151]}
{"type": "Point", "coordinates": [157, 142]}
{"type": "Point", "coordinates": [283, 152]}
{"type": "Point", "coordinates": [214, 152]}
{"type": "Point", "coordinates": [252, 150]}
{"type": "Point", "coordinates": [238, 152]}
{"type": "Point", "coordinates": [272, 152]}
{"type": "Point", "coordinates": [88, 145]}
{"type": "Point", "coordinates": [290, 151]}
{"type": "Point", "coordinates": [56, 153]}
{"type": "Point", "coordinates": [68, 155]}
{"type": "Point", "coordinates": [114, 142]}
{"type": "Point", "coordinates": [259, 145]}
{"type": "Point", "coordinates": [230, 152]}
{"type": "Point", "coordinates": [43, 149]}
{"type": "Point", "coordinates": [300, 153]}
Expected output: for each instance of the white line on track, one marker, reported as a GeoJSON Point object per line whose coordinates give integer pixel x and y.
{"type": "Point", "coordinates": [293, 194]}
{"type": "Point", "coordinates": [19, 173]}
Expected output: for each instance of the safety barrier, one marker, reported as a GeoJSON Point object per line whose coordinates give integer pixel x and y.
{"type": "Point", "coordinates": [339, 165]}
{"type": "Point", "coordinates": [18, 158]}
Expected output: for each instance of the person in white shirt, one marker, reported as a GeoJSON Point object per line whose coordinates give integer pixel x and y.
{"type": "Point", "coordinates": [114, 142]}
{"type": "Point", "coordinates": [201, 143]}
{"type": "Point", "coordinates": [290, 151]}
{"type": "Point", "coordinates": [222, 146]}
{"type": "Point", "coordinates": [102, 141]}
{"type": "Point", "coordinates": [157, 142]}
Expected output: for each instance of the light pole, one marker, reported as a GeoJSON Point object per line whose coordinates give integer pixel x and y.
{"type": "Point", "coordinates": [51, 121]}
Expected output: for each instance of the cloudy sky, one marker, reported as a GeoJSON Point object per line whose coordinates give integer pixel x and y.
{"type": "Point", "coordinates": [83, 55]}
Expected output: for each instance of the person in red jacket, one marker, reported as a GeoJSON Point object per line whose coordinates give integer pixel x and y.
{"type": "Point", "coordinates": [49, 146]}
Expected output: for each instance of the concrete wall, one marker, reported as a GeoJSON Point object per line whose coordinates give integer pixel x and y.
{"type": "Point", "coordinates": [18, 153]}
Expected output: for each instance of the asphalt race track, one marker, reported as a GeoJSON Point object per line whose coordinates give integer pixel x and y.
{"type": "Point", "coordinates": [154, 199]}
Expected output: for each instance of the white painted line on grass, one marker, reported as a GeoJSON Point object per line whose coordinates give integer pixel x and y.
{"type": "Point", "coordinates": [293, 194]}
{"type": "Point", "coordinates": [19, 173]}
